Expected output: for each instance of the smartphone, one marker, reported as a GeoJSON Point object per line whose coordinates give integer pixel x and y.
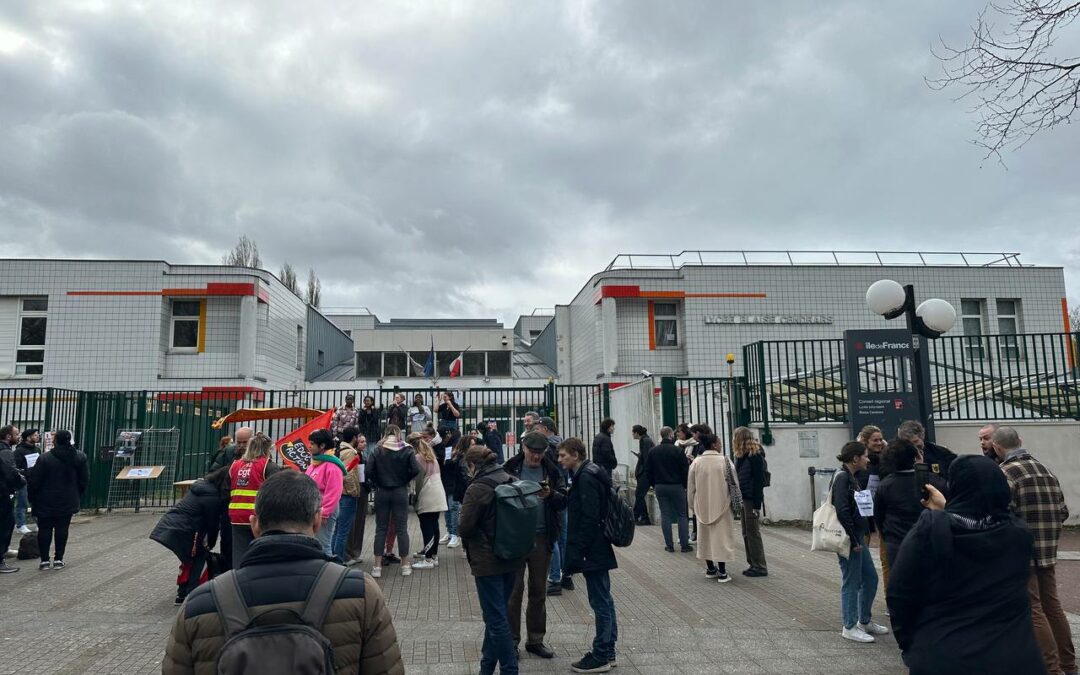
{"type": "Point", "coordinates": [922, 479]}
{"type": "Point", "coordinates": [543, 485]}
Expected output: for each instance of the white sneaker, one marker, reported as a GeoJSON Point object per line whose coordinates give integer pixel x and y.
{"type": "Point", "coordinates": [427, 564]}
{"type": "Point", "coordinates": [455, 542]}
{"type": "Point", "coordinates": [24, 530]}
{"type": "Point", "coordinates": [722, 577]}
{"type": "Point", "coordinates": [872, 628]}
{"type": "Point", "coordinates": [445, 538]}
{"type": "Point", "coordinates": [376, 572]}
{"type": "Point", "coordinates": [406, 570]}
{"type": "Point", "coordinates": [857, 634]}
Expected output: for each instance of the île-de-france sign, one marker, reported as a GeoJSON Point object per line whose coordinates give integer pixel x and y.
{"type": "Point", "coordinates": [773, 319]}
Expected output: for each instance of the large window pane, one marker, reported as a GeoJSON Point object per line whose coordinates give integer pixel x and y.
{"type": "Point", "coordinates": [185, 308]}
{"type": "Point", "coordinates": [185, 334]}
{"type": "Point", "coordinates": [30, 355]}
{"type": "Point", "coordinates": [667, 333]}
{"type": "Point", "coordinates": [395, 364]}
{"type": "Point", "coordinates": [970, 307]}
{"type": "Point", "coordinates": [35, 304]}
{"type": "Point", "coordinates": [498, 364]}
{"type": "Point", "coordinates": [369, 364]}
{"type": "Point", "coordinates": [473, 364]}
{"type": "Point", "coordinates": [33, 331]}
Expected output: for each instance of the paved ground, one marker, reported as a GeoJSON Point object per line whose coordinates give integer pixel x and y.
{"type": "Point", "coordinates": [111, 609]}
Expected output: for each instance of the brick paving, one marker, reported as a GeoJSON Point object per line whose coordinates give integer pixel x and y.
{"type": "Point", "coordinates": [111, 609]}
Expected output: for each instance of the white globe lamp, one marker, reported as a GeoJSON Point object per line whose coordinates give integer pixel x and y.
{"type": "Point", "coordinates": [938, 315]}
{"type": "Point", "coordinates": [885, 297]}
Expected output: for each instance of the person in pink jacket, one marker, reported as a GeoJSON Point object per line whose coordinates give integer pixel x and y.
{"type": "Point", "coordinates": [328, 472]}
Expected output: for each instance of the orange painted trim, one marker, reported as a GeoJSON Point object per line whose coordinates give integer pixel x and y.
{"type": "Point", "coordinates": [678, 295]}
{"type": "Point", "coordinates": [114, 292]}
{"type": "Point", "coordinates": [1068, 329]}
{"type": "Point", "coordinates": [183, 292]}
{"type": "Point", "coordinates": [620, 291]}
{"type": "Point", "coordinates": [202, 326]}
{"type": "Point", "coordinates": [652, 326]}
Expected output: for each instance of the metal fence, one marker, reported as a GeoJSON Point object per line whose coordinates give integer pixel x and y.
{"type": "Point", "coordinates": [986, 377]}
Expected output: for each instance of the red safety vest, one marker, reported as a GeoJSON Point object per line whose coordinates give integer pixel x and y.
{"type": "Point", "coordinates": [247, 477]}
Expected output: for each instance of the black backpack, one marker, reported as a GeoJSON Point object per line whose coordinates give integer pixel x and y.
{"type": "Point", "coordinates": [618, 519]}
{"type": "Point", "coordinates": [293, 646]}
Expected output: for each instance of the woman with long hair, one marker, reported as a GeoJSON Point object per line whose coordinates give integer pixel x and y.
{"type": "Point", "coordinates": [430, 501]}
{"type": "Point", "coordinates": [708, 491]}
{"type": "Point", "coordinates": [874, 439]}
{"type": "Point", "coordinates": [246, 476]}
{"type": "Point", "coordinates": [393, 467]}
{"type": "Point", "coordinates": [750, 470]}
{"type": "Point", "coordinates": [455, 479]}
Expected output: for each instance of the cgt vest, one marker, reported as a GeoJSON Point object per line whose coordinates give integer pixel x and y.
{"type": "Point", "coordinates": [246, 478]}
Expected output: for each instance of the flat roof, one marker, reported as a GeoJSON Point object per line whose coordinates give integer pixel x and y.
{"type": "Point", "coordinates": [835, 258]}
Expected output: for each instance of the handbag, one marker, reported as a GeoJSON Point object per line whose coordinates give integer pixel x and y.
{"type": "Point", "coordinates": [734, 493]}
{"type": "Point", "coordinates": [828, 534]}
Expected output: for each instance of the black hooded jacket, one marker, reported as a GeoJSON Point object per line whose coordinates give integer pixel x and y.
{"type": "Point", "coordinates": [58, 481]}
{"type": "Point", "coordinates": [197, 514]}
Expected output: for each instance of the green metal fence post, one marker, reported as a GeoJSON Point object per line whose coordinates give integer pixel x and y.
{"type": "Point", "coordinates": [549, 398]}
{"type": "Point", "coordinates": [48, 409]}
{"type": "Point", "coordinates": [763, 393]}
{"type": "Point", "coordinates": [140, 412]}
{"type": "Point", "coordinates": [669, 413]}
{"type": "Point", "coordinates": [605, 400]}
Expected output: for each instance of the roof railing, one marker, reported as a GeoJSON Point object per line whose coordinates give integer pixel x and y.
{"type": "Point", "coordinates": [836, 258]}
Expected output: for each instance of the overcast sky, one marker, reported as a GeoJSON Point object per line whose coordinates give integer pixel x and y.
{"type": "Point", "coordinates": [481, 159]}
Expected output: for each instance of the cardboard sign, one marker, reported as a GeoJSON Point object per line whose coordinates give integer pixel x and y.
{"type": "Point", "coordinates": [865, 501]}
{"type": "Point", "coordinates": [140, 472]}
{"type": "Point", "coordinates": [293, 447]}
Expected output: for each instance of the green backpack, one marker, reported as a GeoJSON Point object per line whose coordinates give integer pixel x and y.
{"type": "Point", "coordinates": [517, 511]}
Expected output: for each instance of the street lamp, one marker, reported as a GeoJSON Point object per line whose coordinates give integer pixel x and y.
{"type": "Point", "coordinates": [929, 319]}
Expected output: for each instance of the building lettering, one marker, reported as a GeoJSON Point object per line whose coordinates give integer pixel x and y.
{"type": "Point", "coordinates": [777, 319]}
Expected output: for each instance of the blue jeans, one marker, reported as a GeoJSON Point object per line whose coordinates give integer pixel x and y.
{"type": "Point", "coordinates": [494, 594]}
{"type": "Point", "coordinates": [20, 508]}
{"type": "Point", "coordinates": [603, 606]}
{"type": "Point", "coordinates": [453, 511]}
{"type": "Point", "coordinates": [555, 569]}
{"type": "Point", "coordinates": [325, 535]}
{"type": "Point", "coordinates": [346, 515]}
{"type": "Point", "coordinates": [858, 587]}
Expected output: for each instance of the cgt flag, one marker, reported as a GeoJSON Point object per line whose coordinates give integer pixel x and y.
{"type": "Point", "coordinates": [293, 447]}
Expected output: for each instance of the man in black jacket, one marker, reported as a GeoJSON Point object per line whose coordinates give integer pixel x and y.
{"type": "Point", "coordinates": [603, 450]}
{"type": "Point", "coordinates": [534, 465]}
{"type": "Point", "coordinates": [937, 456]}
{"type": "Point", "coordinates": [666, 470]}
{"type": "Point", "coordinates": [645, 444]}
{"type": "Point", "coordinates": [10, 481]}
{"type": "Point", "coordinates": [26, 451]}
{"type": "Point", "coordinates": [589, 552]}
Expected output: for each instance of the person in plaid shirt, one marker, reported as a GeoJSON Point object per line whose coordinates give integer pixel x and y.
{"type": "Point", "coordinates": [348, 416]}
{"type": "Point", "coordinates": [1037, 498]}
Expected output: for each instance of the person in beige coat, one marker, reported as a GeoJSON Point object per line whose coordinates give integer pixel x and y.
{"type": "Point", "coordinates": [708, 492]}
{"type": "Point", "coordinates": [430, 502]}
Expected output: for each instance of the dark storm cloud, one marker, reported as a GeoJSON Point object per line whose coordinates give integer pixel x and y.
{"type": "Point", "coordinates": [481, 159]}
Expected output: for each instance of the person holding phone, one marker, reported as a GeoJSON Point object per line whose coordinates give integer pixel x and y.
{"type": "Point", "coordinates": [449, 412]}
{"type": "Point", "coordinates": [898, 500]}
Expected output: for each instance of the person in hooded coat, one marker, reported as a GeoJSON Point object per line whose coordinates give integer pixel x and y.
{"type": "Point", "coordinates": [56, 486]}
{"type": "Point", "coordinates": [190, 529]}
{"type": "Point", "coordinates": [958, 595]}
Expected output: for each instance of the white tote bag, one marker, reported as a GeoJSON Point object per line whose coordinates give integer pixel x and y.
{"type": "Point", "coordinates": [828, 534]}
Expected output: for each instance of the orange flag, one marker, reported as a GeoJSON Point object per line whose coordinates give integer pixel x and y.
{"type": "Point", "coordinates": [293, 447]}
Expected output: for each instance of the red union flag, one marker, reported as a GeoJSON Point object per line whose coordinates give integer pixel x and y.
{"type": "Point", "coordinates": [293, 447]}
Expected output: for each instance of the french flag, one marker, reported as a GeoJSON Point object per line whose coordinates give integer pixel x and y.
{"type": "Point", "coordinates": [455, 365]}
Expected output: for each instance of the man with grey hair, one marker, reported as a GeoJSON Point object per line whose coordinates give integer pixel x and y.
{"type": "Point", "coordinates": [986, 441]}
{"type": "Point", "coordinates": [1037, 498]}
{"type": "Point", "coordinates": [666, 471]}
{"type": "Point", "coordinates": [232, 452]}
{"type": "Point", "coordinates": [937, 456]}
{"type": "Point", "coordinates": [285, 569]}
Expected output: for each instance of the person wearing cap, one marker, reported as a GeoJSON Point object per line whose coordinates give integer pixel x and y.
{"type": "Point", "coordinates": [392, 467]}
{"type": "Point", "coordinates": [536, 466]}
{"type": "Point", "coordinates": [557, 581]}
{"type": "Point", "coordinates": [26, 453]}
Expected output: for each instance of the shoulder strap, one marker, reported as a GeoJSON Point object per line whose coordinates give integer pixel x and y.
{"type": "Point", "coordinates": [322, 594]}
{"type": "Point", "coordinates": [234, 613]}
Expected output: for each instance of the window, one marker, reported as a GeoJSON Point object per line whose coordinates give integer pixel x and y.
{"type": "Point", "coordinates": [396, 364]}
{"type": "Point", "coordinates": [498, 364]}
{"type": "Point", "coordinates": [971, 312]}
{"type": "Point", "coordinates": [666, 324]}
{"type": "Point", "coordinates": [185, 324]}
{"type": "Point", "coordinates": [533, 334]}
{"type": "Point", "coordinates": [30, 352]}
{"type": "Point", "coordinates": [473, 364]}
{"type": "Point", "coordinates": [320, 357]}
{"type": "Point", "coordinates": [299, 347]}
{"type": "Point", "coordinates": [369, 364]}
{"type": "Point", "coordinates": [442, 362]}
{"type": "Point", "coordinates": [1008, 318]}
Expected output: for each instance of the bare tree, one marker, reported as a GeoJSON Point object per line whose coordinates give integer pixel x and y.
{"type": "Point", "coordinates": [1023, 85]}
{"type": "Point", "coordinates": [244, 254]}
{"type": "Point", "coordinates": [314, 289]}
{"type": "Point", "coordinates": [288, 277]}
{"type": "Point", "coordinates": [1074, 318]}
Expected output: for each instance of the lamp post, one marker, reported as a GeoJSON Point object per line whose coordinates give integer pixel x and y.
{"type": "Point", "coordinates": [930, 319]}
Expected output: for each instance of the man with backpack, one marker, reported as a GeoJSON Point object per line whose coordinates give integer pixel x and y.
{"type": "Point", "coordinates": [589, 551]}
{"type": "Point", "coordinates": [285, 609]}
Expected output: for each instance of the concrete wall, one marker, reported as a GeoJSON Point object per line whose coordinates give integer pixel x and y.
{"type": "Point", "coordinates": [1056, 444]}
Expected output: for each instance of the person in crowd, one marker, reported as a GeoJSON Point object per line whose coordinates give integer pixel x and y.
{"type": "Point", "coordinates": [645, 444]}
{"type": "Point", "coordinates": [937, 456]}
{"type": "Point", "coordinates": [1037, 498]}
{"type": "Point", "coordinates": [11, 481]}
{"type": "Point", "coordinates": [589, 552]}
{"type": "Point", "coordinates": [666, 472]}
{"type": "Point", "coordinates": [685, 439]}
{"type": "Point", "coordinates": [709, 487]}
{"type": "Point", "coordinates": [494, 576]}
{"type": "Point", "coordinates": [328, 472]}
{"type": "Point", "coordinates": [26, 452]}
{"type": "Point", "coordinates": [897, 505]}
{"type": "Point", "coordinates": [750, 470]}
{"type": "Point", "coordinates": [558, 579]}
{"type": "Point", "coordinates": [603, 450]}
{"type": "Point", "coordinates": [419, 414]}
{"type": "Point", "coordinates": [455, 479]}
{"type": "Point", "coordinates": [547, 427]}
{"type": "Point", "coordinates": [246, 476]}
{"type": "Point", "coordinates": [227, 453]}
{"type": "Point", "coordinates": [351, 492]}
{"type": "Point", "coordinates": [958, 595]}
{"type": "Point", "coordinates": [489, 432]}
{"type": "Point", "coordinates": [393, 466]}
{"type": "Point", "coordinates": [528, 421]}
{"type": "Point", "coordinates": [430, 502]}
{"type": "Point", "coordinates": [697, 430]}
{"type": "Point", "coordinates": [284, 564]}
{"type": "Point", "coordinates": [354, 545]}
{"type": "Point", "coordinates": [859, 576]}
{"type": "Point", "coordinates": [368, 421]}
{"type": "Point", "coordinates": [536, 466]}
{"type": "Point", "coordinates": [396, 415]}
{"type": "Point", "coordinates": [190, 529]}
{"type": "Point", "coordinates": [56, 486]}
{"type": "Point", "coordinates": [986, 441]}
{"type": "Point", "coordinates": [449, 411]}
{"type": "Point", "coordinates": [874, 439]}
{"type": "Point", "coordinates": [345, 416]}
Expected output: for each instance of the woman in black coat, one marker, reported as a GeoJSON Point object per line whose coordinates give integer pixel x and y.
{"type": "Point", "coordinates": [958, 593]}
{"type": "Point", "coordinates": [55, 487]}
{"type": "Point", "coordinates": [190, 528]}
{"type": "Point", "coordinates": [897, 504]}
